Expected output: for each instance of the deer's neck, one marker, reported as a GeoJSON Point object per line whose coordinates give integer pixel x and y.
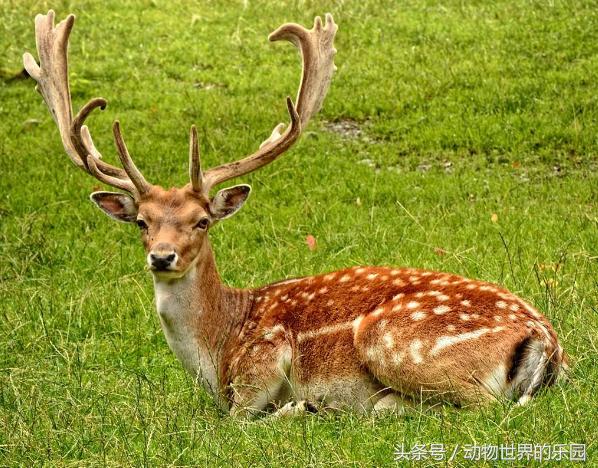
{"type": "Point", "coordinates": [199, 315]}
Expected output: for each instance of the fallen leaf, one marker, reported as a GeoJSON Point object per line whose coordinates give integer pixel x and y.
{"type": "Point", "coordinates": [311, 242]}
{"type": "Point", "coordinates": [494, 218]}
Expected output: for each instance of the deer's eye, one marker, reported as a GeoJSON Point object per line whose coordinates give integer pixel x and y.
{"type": "Point", "coordinates": [142, 224]}
{"type": "Point", "coordinates": [202, 224]}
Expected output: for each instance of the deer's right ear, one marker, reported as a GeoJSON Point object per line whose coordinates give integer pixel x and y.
{"type": "Point", "coordinates": [118, 206]}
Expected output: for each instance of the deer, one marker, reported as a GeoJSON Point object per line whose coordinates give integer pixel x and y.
{"type": "Point", "coordinates": [365, 338]}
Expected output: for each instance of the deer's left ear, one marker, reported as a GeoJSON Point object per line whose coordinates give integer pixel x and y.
{"type": "Point", "coordinates": [228, 201]}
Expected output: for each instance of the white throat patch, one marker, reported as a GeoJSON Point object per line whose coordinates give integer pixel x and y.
{"type": "Point", "coordinates": [179, 316]}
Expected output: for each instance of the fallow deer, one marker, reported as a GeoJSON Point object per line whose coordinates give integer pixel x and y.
{"type": "Point", "coordinates": [362, 338]}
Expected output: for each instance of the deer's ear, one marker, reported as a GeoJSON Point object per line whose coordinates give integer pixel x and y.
{"type": "Point", "coordinates": [118, 206]}
{"type": "Point", "coordinates": [228, 201]}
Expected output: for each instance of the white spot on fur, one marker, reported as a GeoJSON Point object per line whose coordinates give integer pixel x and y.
{"type": "Point", "coordinates": [471, 286]}
{"type": "Point", "coordinates": [464, 317]}
{"type": "Point", "coordinates": [419, 315]}
{"type": "Point", "coordinates": [466, 303]}
{"type": "Point", "coordinates": [414, 349]}
{"type": "Point", "coordinates": [356, 323]}
{"type": "Point", "coordinates": [451, 328]}
{"type": "Point", "coordinates": [329, 276]}
{"type": "Point", "coordinates": [442, 297]}
{"type": "Point", "coordinates": [378, 312]}
{"type": "Point", "coordinates": [323, 290]}
{"type": "Point", "coordinates": [344, 278]}
{"type": "Point", "coordinates": [326, 330]}
{"type": "Point", "coordinates": [372, 354]}
{"type": "Point", "coordinates": [372, 276]}
{"type": "Point", "coordinates": [330, 302]}
{"type": "Point", "coordinates": [501, 304]}
{"type": "Point", "coordinates": [397, 307]}
{"type": "Point", "coordinates": [395, 273]}
{"type": "Point", "coordinates": [398, 296]}
{"type": "Point", "coordinates": [289, 281]}
{"type": "Point", "coordinates": [360, 270]}
{"type": "Point", "coordinates": [398, 282]}
{"type": "Point", "coordinates": [389, 341]}
{"type": "Point", "coordinates": [514, 307]}
{"type": "Point", "coordinates": [498, 318]}
{"type": "Point", "coordinates": [513, 317]}
{"type": "Point", "coordinates": [413, 305]}
{"type": "Point", "coordinates": [398, 358]}
{"type": "Point", "coordinates": [441, 309]}
{"type": "Point", "coordinates": [446, 341]}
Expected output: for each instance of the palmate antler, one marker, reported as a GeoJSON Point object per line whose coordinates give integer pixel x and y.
{"type": "Point", "coordinates": [317, 50]}
{"type": "Point", "coordinates": [53, 84]}
{"type": "Point", "coordinates": [316, 46]}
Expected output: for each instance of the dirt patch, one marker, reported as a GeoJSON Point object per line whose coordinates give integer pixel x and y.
{"type": "Point", "coordinates": [347, 129]}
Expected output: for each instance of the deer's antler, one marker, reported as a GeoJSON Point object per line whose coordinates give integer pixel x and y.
{"type": "Point", "coordinates": [53, 84]}
{"type": "Point", "coordinates": [315, 45]}
{"type": "Point", "coordinates": [317, 51]}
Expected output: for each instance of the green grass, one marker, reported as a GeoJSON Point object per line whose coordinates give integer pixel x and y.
{"type": "Point", "coordinates": [465, 110]}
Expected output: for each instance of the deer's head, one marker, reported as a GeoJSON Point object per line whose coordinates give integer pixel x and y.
{"type": "Point", "coordinates": [174, 222]}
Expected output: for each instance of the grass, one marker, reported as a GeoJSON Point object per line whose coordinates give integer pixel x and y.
{"type": "Point", "coordinates": [472, 148]}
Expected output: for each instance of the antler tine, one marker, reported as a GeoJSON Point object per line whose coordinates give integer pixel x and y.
{"type": "Point", "coordinates": [317, 51]}
{"type": "Point", "coordinates": [53, 84]}
{"type": "Point", "coordinates": [83, 143]}
{"type": "Point", "coordinates": [194, 161]}
{"type": "Point", "coordinates": [122, 184]}
{"type": "Point", "coordinates": [123, 153]}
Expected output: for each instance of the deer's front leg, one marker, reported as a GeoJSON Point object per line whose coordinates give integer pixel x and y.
{"type": "Point", "coordinates": [260, 374]}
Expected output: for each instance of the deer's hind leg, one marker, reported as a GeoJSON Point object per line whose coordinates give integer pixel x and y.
{"type": "Point", "coordinates": [399, 353]}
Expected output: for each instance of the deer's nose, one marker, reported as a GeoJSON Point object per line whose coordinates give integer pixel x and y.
{"type": "Point", "coordinates": [162, 259]}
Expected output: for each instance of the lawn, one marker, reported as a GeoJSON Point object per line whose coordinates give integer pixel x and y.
{"type": "Point", "coordinates": [457, 136]}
